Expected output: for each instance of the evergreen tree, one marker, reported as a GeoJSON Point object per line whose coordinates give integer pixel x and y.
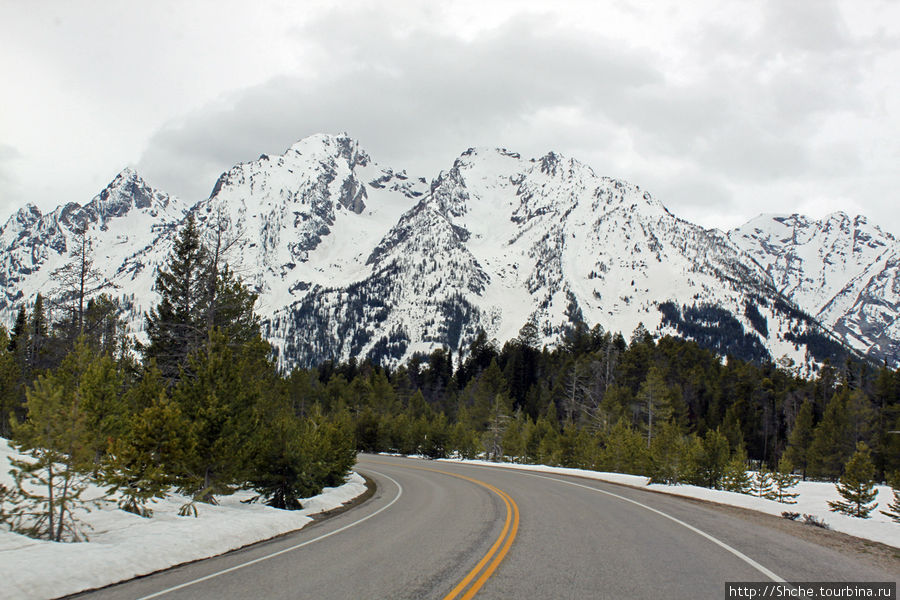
{"type": "Point", "coordinates": [177, 326]}
{"type": "Point", "coordinates": [667, 455]}
{"type": "Point", "coordinates": [784, 480]}
{"type": "Point", "coordinates": [144, 464]}
{"type": "Point", "coordinates": [764, 483]}
{"type": "Point", "coordinates": [800, 438]}
{"type": "Point", "coordinates": [893, 510]}
{"type": "Point", "coordinates": [708, 459]}
{"type": "Point", "coordinates": [10, 377]}
{"type": "Point", "coordinates": [735, 477]}
{"type": "Point", "coordinates": [51, 480]}
{"type": "Point", "coordinates": [655, 400]}
{"type": "Point", "coordinates": [855, 486]}
{"type": "Point", "coordinates": [217, 399]}
{"type": "Point", "coordinates": [36, 351]}
{"type": "Point", "coordinates": [832, 441]}
{"type": "Point", "coordinates": [283, 469]}
{"type": "Point", "coordinates": [624, 451]}
{"type": "Point", "coordinates": [463, 437]}
{"type": "Point", "coordinates": [437, 438]}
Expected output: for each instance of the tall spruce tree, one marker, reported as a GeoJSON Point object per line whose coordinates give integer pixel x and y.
{"type": "Point", "coordinates": [800, 438]}
{"type": "Point", "coordinates": [177, 326]}
{"type": "Point", "coordinates": [9, 385]}
{"type": "Point", "coordinates": [832, 441]}
{"type": "Point", "coordinates": [655, 400]}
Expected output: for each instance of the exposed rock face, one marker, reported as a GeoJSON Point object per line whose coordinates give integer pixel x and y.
{"type": "Point", "coordinates": [354, 259]}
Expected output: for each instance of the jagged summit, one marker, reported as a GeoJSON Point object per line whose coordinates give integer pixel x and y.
{"type": "Point", "coordinates": [843, 270]}
{"type": "Point", "coordinates": [353, 258]}
{"type": "Point", "coordinates": [127, 215]}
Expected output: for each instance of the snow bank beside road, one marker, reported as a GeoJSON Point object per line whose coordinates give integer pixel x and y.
{"type": "Point", "coordinates": [813, 499]}
{"type": "Point", "coordinates": [123, 545]}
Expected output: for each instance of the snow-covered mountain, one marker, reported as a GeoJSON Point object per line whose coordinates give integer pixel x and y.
{"type": "Point", "coordinates": [843, 271]}
{"type": "Point", "coordinates": [125, 220]}
{"type": "Point", "coordinates": [356, 259]}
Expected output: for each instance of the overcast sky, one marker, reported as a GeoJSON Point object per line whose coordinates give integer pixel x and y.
{"type": "Point", "coordinates": [722, 110]}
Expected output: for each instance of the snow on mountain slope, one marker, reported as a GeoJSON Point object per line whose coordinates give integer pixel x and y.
{"type": "Point", "coordinates": [501, 240]}
{"type": "Point", "coordinates": [843, 271]}
{"type": "Point", "coordinates": [310, 216]}
{"type": "Point", "coordinates": [128, 216]}
{"type": "Point", "coordinates": [354, 259]}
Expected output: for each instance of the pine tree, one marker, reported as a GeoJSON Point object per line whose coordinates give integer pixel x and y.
{"type": "Point", "coordinates": [832, 441]}
{"type": "Point", "coordinates": [763, 483]}
{"type": "Point", "coordinates": [217, 400]}
{"type": "Point", "coordinates": [656, 404]}
{"type": "Point", "coordinates": [36, 351]}
{"type": "Point", "coordinates": [624, 451]}
{"type": "Point", "coordinates": [177, 326]}
{"type": "Point", "coordinates": [735, 478]}
{"type": "Point", "coordinates": [708, 459]}
{"type": "Point", "coordinates": [784, 480]}
{"type": "Point", "coordinates": [463, 437]}
{"type": "Point", "coordinates": [893, 510]}
{"type": "Point", "coordinates": [146, 462]}
{"type": "Point", "coordinates": [283, 463]}
{"type": "Point", "coordinates": [667, 455]}
{"type": "Point", "coordinates": [800, 438]}
{"type": "Point", "coordinates": [10, 376]}
{"type": "Point", "coordinates": [856, 485]}
{"type": "Point", "coordinates": [51, 481]}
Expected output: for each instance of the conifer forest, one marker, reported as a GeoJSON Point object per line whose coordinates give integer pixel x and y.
{"type": "Point", "coordinates": [202, 407]}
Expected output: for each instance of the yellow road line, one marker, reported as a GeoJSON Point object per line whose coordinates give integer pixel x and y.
{"type": "Point", "coordinates": [502, 543]}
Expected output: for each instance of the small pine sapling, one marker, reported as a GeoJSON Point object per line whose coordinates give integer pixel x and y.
{"type": "Point", "coordinates": [763, 485]}
{"type": "Point", "coordinates": [4, 494]}
{"type": "Point", "coordinates": [736, 478]}
{"type": "Point", "coordinates": [784, 480]}
{"type": "Point", "coordinates": [893, 510]}
{"type": "Point", "coordinates": [855, 485]}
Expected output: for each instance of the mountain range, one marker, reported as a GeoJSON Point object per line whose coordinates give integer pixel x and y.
{"type": "Point", "coordinates": [355, 259]}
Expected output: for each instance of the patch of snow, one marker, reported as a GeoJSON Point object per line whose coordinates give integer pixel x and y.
{"type": "Point", "coordinates": [123, 545]}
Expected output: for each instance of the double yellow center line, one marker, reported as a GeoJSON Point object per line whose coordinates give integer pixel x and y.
{"type": "Point", "coordinates": [482, 571]}
{"type": "Point", "coordinates": [490, 561]}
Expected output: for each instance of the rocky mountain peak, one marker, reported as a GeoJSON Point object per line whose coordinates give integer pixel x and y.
{"type": "Point", "coordinates": [352, 258]}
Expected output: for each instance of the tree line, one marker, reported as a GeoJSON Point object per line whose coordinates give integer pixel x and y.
{"type": "Point", "coordinates": [663, 408]}
{"type": "Point", "coordinates": [200, 407]}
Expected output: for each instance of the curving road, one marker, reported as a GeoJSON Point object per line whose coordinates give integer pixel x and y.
{"type": "Point", "coordinates": [451, 531]}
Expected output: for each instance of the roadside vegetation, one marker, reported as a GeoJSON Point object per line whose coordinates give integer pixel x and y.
{"type": "Point", "coordinates": [200, 409]}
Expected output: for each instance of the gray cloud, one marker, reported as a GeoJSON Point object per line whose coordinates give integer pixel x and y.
{"type": "Point", "coordinates": [9, 156]}
{"type": "Point", "coordinates": [744, 108]}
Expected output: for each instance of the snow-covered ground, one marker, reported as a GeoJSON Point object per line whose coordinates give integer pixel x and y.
{"type": "Point", "coordinates": [813, 499]}
{"type": "Point", "coordinates": [123, 545]}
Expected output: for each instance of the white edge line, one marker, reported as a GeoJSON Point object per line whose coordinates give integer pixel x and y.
{"type": "Point", "coordinates": [285, 550]}
{"type": "Point", "coordinates": [714, 540]}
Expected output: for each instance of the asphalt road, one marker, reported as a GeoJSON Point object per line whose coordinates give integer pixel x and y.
{"type": "Point", "coordinates": [450, 531]}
